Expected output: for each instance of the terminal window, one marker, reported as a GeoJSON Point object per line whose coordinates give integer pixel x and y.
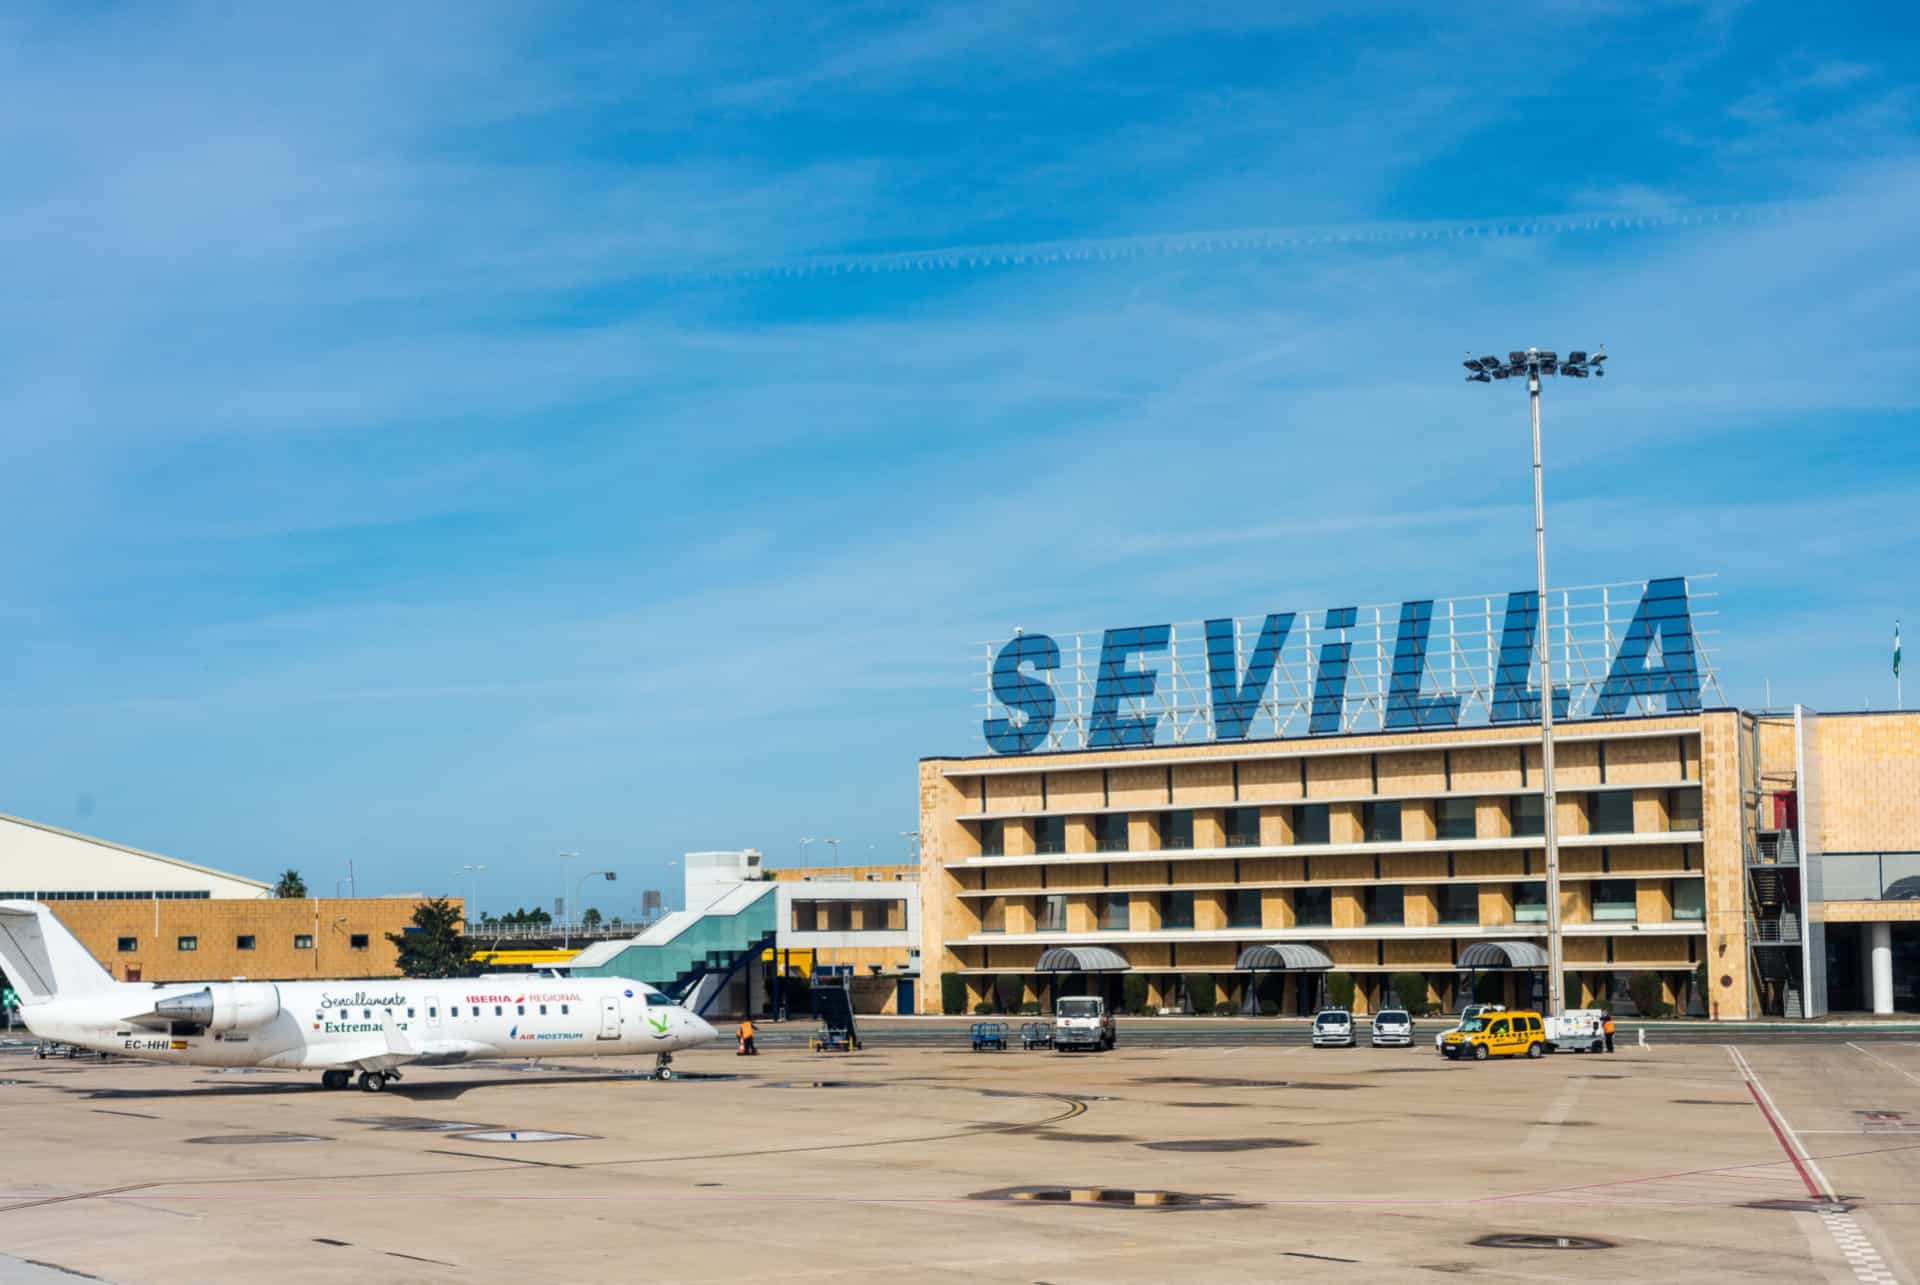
{"type": "Point", "coordinates": [1530, 903]}
{"type": "Point", "coordinates": [1689, 899]}
{"type": "Point", "coordinates": [1050, 834]}
{"type": "Point", "coordinates": [1110, 832]}
{"type": "Point", "coordinates": [1459, 903]}
{"type": "Point", "coordinates": [993, 839]}
{"type": "Point", "coordinates": [1312, 823]}
{"type": "Point", "coordinates": [127, 945]}
{"type": "Point", "coordinates": [1176, 910]}
{"type": "Point", "coordinates": [1053, 913]}
{"type": "Point", "coordinates": [243, 942]}
{"type": "Point", "coordinates": [1614, 899]}
{"type": "Point", "coordinates": [1243, 827]}
{"type": "Point", "coordinates": [1529, 814]}
{"type": "Point", "coordinates": [1683, 809]}
{"type": "Point", "coordinates": [358, 941]}
{"type": "Point", "coordinates": [303, 941]}
{"type": "Point", "coordinates": [1453, 819]}
{"type": "Point", "coordinates": [1610, 812]}
{"type": "Point", "coordinates": [1243, 910]}
{"type": "Point", "coordinates": [1115, 912]}
{"type": "Point", "coordinates": [187, 943]}
{"type": "Point", "coordinates": [1384, 904]}
{"type": "Point", "coordinates": [1382, 821]}
{"type": "Point", "coordinates": [1176, 829]}
{"type": "Point", "coordinates": [1313, 907]}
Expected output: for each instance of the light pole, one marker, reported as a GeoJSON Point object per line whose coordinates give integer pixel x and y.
{"type": "Point", "coordinates": [803, 853]}
{"type": "Point", "coordinates": [566, 910]}
{"type": "Point", "coordinates": [1532, 364]}
{"type": "Point", "coordinates": [835, 845]}
{"type": "Point", "coordinates": [913, 843]}
{"type": "Point", "coordinates": [608, 875]}
{"type": "Point", "coordinates": [473, 888]}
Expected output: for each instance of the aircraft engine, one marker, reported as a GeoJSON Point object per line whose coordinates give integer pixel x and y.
{"type": "Point", "coordinates": [225, 1006]}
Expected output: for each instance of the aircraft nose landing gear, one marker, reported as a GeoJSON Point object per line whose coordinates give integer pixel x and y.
{"type": "Point", "coordinates": [663, 1067]}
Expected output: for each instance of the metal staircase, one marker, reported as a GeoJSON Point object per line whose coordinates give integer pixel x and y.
{"type": "Point", "coordinates": [706, 979]}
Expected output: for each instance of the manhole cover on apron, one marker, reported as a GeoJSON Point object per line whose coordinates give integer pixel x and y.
{"type": "Point", "coordinates": [1527, 1241]}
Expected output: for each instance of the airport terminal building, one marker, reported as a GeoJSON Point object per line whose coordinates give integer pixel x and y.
{"type": "Point", "coordinates": [1253, 807]}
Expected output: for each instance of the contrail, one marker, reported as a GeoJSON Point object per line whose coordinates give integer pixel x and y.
{"type": "Point", "coordinates": [1020, 254]}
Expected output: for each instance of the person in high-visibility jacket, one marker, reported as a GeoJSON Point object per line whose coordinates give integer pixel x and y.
{"type": "Point", "coordinates": [746, 1037]}
{"type": "Point", "coordinates": [1606, 1026]}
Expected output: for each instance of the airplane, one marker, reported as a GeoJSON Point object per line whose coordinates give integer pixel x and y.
{"type": "Point", "coordinates": [372, 1027]}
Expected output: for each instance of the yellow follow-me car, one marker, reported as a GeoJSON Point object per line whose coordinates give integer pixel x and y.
{"type": "Point", "coordinates": [1497, 1035]}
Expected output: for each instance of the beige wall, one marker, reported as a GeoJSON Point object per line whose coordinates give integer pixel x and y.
{"type": "Point", "coordinates": [1869, 773]}
{"type": "Point", "coordinates": [157, 926]}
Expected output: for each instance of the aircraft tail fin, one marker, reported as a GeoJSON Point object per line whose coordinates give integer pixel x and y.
{"type": "Point", "coordinates": [41, 959]}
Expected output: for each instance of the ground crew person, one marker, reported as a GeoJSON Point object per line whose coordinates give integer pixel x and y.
{"type": "Point", "coordinates": [1606, 1025]}
{"type": "Point", "coordinates": [746, 1037]}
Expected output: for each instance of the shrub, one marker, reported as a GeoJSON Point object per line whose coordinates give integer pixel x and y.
{"type": "Point", "coordinates": [1340, 990]}
{"type": "Point", "coordinates": [1030, 1010]}
{"type": "Point", "coordinates": [1201, 993]}
{"type": "Point", "coordinates": [953, 994]}
{"type": "Point", "coordinates": [1645, 989]}
{"type": "Point", "coordinates": [1227, 1008]}
{"type": "Point", "coordinates": [1411, 989]}
{"type": "Point", "coordinates": [1007, 991]}
{"type": "Point", "coordinates": [1487, 988]}
{"type": "Point", "coordinates": [1269, 1008]}
{"type": "Point", "coordinates": [983, 1009]}
{"type": "Point", "coordinates": [1133, 989]}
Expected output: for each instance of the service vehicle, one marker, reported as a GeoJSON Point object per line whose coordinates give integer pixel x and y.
{"type": "Point", "coordinates": [1578, 1030]}
{"type": "Point", "coordinates": [1509, 1034]}
{"type": "Point", "coordinates": [1333, 1029]}
{"type": "Point", "coordinates": [1467, 1014]}
{"type": "Point", "coordinates": [1393, 1028]}
{"type": "Point", "coordinates": [1082, 1022]}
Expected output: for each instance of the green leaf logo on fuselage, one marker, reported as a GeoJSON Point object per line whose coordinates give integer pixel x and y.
{"type": "Point", "coordinates": [659, 1024]}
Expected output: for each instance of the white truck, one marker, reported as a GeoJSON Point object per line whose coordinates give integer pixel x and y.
{"type": "Point", "coordinates": [1578, 1030]}
{"type": "Point", "coordinates": [1082, 1022]}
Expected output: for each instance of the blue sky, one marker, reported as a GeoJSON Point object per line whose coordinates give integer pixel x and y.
{"type": "Point", "coordinates": [445, 436]}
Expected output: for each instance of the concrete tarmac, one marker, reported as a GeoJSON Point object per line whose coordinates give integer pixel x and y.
{"type": "Point", "coordinates": [1219, 1161]}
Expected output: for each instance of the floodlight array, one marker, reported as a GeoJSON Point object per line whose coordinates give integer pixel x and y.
{"type": "Point", "coordinates": [1577, 364]}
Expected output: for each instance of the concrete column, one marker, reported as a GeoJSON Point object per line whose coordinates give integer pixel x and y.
{"type": "Point", "coordinates": [1880, 949]}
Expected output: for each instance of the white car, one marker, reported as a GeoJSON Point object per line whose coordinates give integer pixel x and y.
{"type": "Point", "coordinates": [1333, 1028]}
{"type": "Point", "coordinates": [1393, 1028]}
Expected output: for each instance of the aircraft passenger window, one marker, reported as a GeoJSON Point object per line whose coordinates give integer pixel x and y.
{"type": "Point", "coordinates": [543, 1007]}
{"type": "Point", "coordinates": [496, 1010]}
{"type": "Point", "coordinates": [410, 1011]}
{"type": "Point", "coordinates": [454, 1011]}
{"type": "Point", "coordinates": [564, 1010]}
{"type": "Point", "coordinates": [520, 1010]}
{"type": "Point", "coordinates": [434, 1012]}
{"type": "Point", "coordinates": [321, 1017]}
{"type": "Point", "coordinates": [366, 1015]}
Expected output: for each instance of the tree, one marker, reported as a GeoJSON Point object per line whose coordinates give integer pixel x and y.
{"type": "Point", "coordinates": [435, 946]}
{"type": "Point", "coordinates": [590, 918]}
{"type": "Point", "coordinates": [1411, 989]}
{"type": "Point", "coordinates": [1201, 992]}
{"type": "Point", "coordinates": [953, 994]}
{"type": "Point", "coordinates": [290, 884]}
{"type": "Point", "coordinates": [1340, 990]}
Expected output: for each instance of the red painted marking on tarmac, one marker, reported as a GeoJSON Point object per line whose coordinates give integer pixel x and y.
{"type": "Point", "coordinates": [1780, 1136]}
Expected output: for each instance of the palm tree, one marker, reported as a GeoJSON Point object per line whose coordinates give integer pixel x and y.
{"type": "Point", "coordinates": [290, 885]}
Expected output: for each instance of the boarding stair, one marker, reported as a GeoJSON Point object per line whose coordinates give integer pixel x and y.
{"type": "Point", "coordinates": [699, 984]}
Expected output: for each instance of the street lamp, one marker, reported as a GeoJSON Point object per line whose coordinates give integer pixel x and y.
{"type": "Point", "coordinates": [835, 845]}
{"type": "Point", "coordinates": [1532, 364]}
{"type": "Point", "coordinates": [913, 843]}
{"type": "Point", "coordinates": [608, 875]}
{"type": "Point", "coordinates": [473, 888]}
{"type": "Point", "coordinates": [563, 908]}
{"type": "Point", "coordinates": [803, 852]}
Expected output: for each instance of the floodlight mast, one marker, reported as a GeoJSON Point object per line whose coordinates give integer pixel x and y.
{"type": "Point", "coordinates": [1533, 363]}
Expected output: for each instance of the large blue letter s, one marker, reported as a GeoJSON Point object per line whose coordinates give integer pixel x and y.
{"type": "Point", "coordinates": [1018, 691]}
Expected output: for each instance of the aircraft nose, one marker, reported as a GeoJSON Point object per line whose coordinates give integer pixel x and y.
{"type": "Point", "coordinates": [703, 1030]}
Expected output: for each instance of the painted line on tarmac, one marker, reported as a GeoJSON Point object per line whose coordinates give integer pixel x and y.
{"type": "Point", "coordinates": [1874, 1057]}
{"type": "Point", "coordinates": [1803, 1162]}
{"type": "Point", "coordinates": [1548, 1130]}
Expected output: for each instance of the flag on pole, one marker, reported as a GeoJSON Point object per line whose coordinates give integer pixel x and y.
{"type": "Point", "coordinates": [1896, 649]}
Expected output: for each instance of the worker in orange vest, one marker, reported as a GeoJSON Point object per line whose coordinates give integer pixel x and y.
{"type": "Point", "coordinates": [746, 1037]}
{"type": "Point", "coordinates": [1606, 1025]}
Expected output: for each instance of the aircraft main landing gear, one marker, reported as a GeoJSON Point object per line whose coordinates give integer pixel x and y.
{"type": "Point", "coordinates": [663, 1067]}
{"type": "Point", "coordinates": [372, 1081]}
{"type": "Point", "coordinates": [334, 1079]}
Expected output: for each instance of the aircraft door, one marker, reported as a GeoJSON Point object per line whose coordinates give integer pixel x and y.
{"type": "Point", "coordinates": [610, 1017]}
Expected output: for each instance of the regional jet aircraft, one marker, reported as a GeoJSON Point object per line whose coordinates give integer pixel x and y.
{"type": "Point", "coordinates": [336, 1028]}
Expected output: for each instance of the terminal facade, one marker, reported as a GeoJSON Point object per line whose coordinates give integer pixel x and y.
{"type": "Point", "coordinates": [1715, 861]}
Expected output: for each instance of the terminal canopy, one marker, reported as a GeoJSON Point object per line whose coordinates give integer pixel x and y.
{"type": "Point", "coordinates": [1284, 956]}
{"type": "Point", "coordinates": [1081, 959]}
{"type": "Point", "coordinates": [1503, 954]}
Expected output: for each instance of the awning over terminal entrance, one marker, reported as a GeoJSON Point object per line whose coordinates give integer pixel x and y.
{"type": "Point", "coordinates": [1502, 954]}
{"type": "Point", "coordinates": [1081, 959]}
{"type": "Point", "coordinates": [1283, 956]}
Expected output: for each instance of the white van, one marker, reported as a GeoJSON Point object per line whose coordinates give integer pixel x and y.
{"type": "Point", "coordinates": [1467, 1014]}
